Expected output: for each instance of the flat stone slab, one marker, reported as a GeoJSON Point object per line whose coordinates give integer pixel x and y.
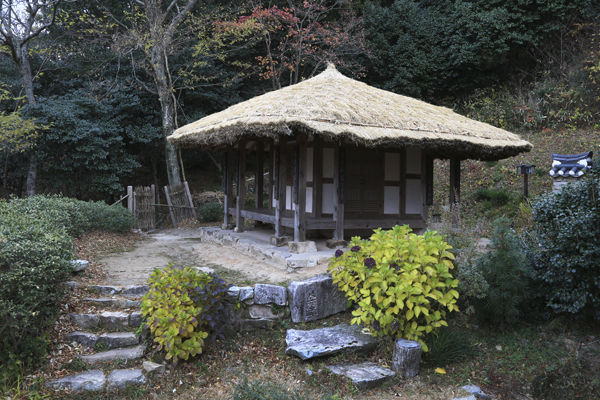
{"type": "Point", "coordinates": [153, 368]}
{"type": "Point", "coordinates": [121, 378]}
{"type": "Point", "coordinates": [365, 375]}
{"type": "Point", "coordinates": [307, 246]}
{"type": "Point", "coordinates": [265, 293]}
{"type": "Point", "coordinates": [102, 289]}
{"type": "Point", "coordinates": [90, 381]}
{"type": "Point", "coordinates": [135, 319]}
{"type": "Point", "coordinates": [126, 354]}
{"type": "Point", "coordinates": [79, 265]}
{"type": "Point", "coordinates": [115, 340]}
{"type": "Point", "coordinates": [112, 302]}
{"type": "Point", "coordinates": [84, 338]}
{"type": "Point", "coordinates": [135, 290]}
{"type": "Point", "coordinates": [325, 341]}
{"type": "Point", "coordinates": [114, 320]}
{"type": "Point", "coordinates": [315, 298]}
{"type": "Point", "coordinates": [85, 321]}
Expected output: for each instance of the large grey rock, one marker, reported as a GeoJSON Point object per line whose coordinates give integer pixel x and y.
{"type": "Point", "coordinates": [79, 265]}
{"type": "Point", "coordinates": [121, 378]}
{"type": "Point", "coordinates": [113, 302]}
{"type": "Point", "coordinates": [103, 289]}
{"type": "Point", "coordinates": [364, 375]}
{"type": "Point", "coordinates": [406, 357]}
{"type": "Point", "coordinates": [325, 341]}
{"type": "Point", "coordinates": [263, 311]}
{"type": "Point", "coordinates": [114, 320]}
{"type": "Point", "coordinates": [307, 246]}
{"type": "Point", "coordinates": [315, 298]}
{"type": "Point", "coordinates": [86, 321]}
{"type": "Point", "coordinates": [135, 290]}
{"type": "Point", "coordinates": [135, 319]}
{"type": "Point", "coordinates": [469, 397]}
{"type": "Point", "coordinates": [115, 340]}
{"type": "Point", "coordinates": [153, 368]}
{"type": "Point", "coordinates": [84, 338]}
{"type": "Point", "coordinates": [126, 354]}
{"type": "Point", "coordinates": [476, 391]}
{"type": "Point", "coordinates": [265, 293]}
{"type": "Point", "coordinates": [247, 294]}
{"type": "Point", "coordinates": [233, 293]}
{"type": "Point", "coordinates": [90, 380]}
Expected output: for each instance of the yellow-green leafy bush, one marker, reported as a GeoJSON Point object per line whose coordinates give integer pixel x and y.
{"type": "Point", "coordinates": [182, 308]}
{"type": "Point", "coordinates": [400, 282]}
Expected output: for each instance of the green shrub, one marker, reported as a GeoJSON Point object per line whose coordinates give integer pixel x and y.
{"type": "Point", "coordinates": [181, 308]}
{"type": "Point", "coordinates": [259, 390]}
{"type": "Point", "coordinates": [400, 281]}
{"type": "Point", "coordinates": [210, 212]}
{"type": "Point", "coordinates": [75, 215]}
{"type": "Point", "coordinates": [565, 248]}
{"type": "Point", "coordinates": [34, 254]}
{"type": "Point", "coordinates": [505, 269]}
{"type": "Point", "coordinates": [494, 197]}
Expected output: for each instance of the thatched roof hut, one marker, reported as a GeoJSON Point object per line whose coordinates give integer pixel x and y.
{"type": "Point", "coordinates": [340, 155]}
{"type": "Point", "coordinates": [335, 106]}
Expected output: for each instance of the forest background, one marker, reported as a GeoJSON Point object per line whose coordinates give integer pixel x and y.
{"type": "Point", "coordinates": [110, 79]}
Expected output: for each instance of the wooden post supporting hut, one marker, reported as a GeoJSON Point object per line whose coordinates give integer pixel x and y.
{"type": "Point", "coordinates": [342, 156]}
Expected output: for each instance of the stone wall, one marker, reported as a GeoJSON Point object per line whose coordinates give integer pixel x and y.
{"type": "Point", "coordinates": [262, 305]}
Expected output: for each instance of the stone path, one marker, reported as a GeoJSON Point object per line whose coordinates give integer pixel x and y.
{"type": "Point", "coordinates": [186, 247]}
{"type": "Point", "coordinates": [112, 337]}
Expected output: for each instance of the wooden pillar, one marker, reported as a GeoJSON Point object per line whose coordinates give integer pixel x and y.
{"type": "Point", "coordinates": [428, 180]}
{"type": "Point", "coordinates": [338, 180]}
{"type": "Point", "coordinates": [299, 196]}
{"type": "Point", "coordinates": [277, 187]}
{"type": "Point", "coordinates": [241, 186]}
{"type": "Point", "coordinates": [228, 176]}
{"type": "Point", "coordinates": [258, 176]}
{"type": "Point", "coordinates": [317, 177]}
{"type": "Point", "coordinates": [270, 180]}
{"type": "Point", "coordinates": [454, 181]}
{"type": "Point", "coordinates": [455, 191]}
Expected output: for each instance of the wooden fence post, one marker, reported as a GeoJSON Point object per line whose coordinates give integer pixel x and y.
{"type": "Point", "coordinates": [170, 207]}
{"type": "Point", "coordinates": [189, 197]}
{"type": "Point", "coordinates": [130, 198]}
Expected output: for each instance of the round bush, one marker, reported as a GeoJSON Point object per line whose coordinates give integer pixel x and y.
{"type": "Point", "coordinates": [400, 282]}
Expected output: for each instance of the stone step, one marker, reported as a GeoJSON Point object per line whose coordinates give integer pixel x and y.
{"type": "Point", "coordinates": [116, 302]}
{"type": "Point", "coordinates": [308, 344]}
{"type": "Point", "coordinates": [95, 380]}
{"type": "Point", "coordinates": [122, 378]}
{"type": "Point", "coordinates": [92, 380]}
{"type": "Point", "coordinates": [365, 375]}
{"type": "Point", "coordinates": [128, 291]}
{"type": "Point", "coordinates": [111, 340]}
{"type": "Point", "coordinates": [108, 320]}
{"type": "Point", "coordinates": [122, 354]}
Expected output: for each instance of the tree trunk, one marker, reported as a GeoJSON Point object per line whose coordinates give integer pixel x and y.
{"type": "Point", "coordinates": [27, 79]}
{"type": "Point", "coordinates": [167, 110]}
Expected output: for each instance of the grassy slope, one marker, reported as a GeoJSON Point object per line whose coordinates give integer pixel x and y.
{"type": "Point", "coordinates": [501, 175]}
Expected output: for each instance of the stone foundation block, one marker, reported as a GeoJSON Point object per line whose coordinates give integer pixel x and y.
{"type": "Point", "coordinates": [264, 294]}
{"type": "Point", "coordinates": [307, 246]}
{"type": "Point", "coordinates": [315, 298]}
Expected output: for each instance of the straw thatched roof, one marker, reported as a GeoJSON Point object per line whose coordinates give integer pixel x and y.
{"type": "Point", "coordinates": [337, 107]}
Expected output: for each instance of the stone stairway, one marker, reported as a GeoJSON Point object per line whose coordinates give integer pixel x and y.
{"type": "Point", "coordinates": [109, 329]}
{"type": "Point", "coordinates": [343, 338]}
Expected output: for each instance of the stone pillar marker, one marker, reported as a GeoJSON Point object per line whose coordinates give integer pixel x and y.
{"type": "Point", "coordinates": [406, 357]}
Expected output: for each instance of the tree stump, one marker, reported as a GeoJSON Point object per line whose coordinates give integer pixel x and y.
{"type": "Point", "coordinates": [406, 357]}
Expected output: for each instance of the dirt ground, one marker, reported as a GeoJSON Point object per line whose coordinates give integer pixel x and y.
{"type": "Point", "coordinates": [184, 247]}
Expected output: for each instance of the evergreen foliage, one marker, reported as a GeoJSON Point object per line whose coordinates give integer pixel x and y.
{"type": "Point", "coordinates": [565, 248]}
{"type": "Point", "coordinates": [506, 270]}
